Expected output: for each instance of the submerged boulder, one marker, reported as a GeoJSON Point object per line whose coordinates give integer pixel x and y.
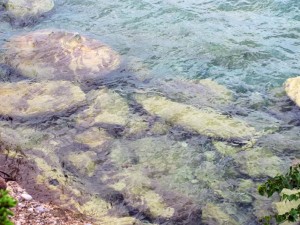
{"type": "Point", "coordinates": [28, 8]}
{"type": "Point", "coordinates": [206, 122]}
{"type": "Point", "coordinates": [292, 88]}
{"type": "Point", "coordinates": [60, 55]}
{"type": "Point", "coordinates": [25, 99]}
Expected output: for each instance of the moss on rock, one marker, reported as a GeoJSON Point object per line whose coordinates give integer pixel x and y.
{"type": "Point", "coordinates": [84, 162]}
{"type": "Point", "coordinates": [213, 215]}
{"type": "Point", "coordinates": [106, 107]}
{"type": "Point", "coordinates": [93, 137]}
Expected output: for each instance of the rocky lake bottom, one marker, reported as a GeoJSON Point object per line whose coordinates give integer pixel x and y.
{"type": "Point", "coordinates": [102, 132]}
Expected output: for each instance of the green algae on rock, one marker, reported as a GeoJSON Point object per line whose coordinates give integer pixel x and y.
{"type": "Point", "coordinates": [93, 137]}
{"type": "Point", "coordinates": [28, 8]}
{"type": "Point", "coordinates": [84, 162]}
{"type": "Point", "coordinates": [106, 107]}
{"type": "Point", "coordinates": [25, 99]}
{"type": "Point", "coordinates": [174, 165]}
{"type": "Point", "coordinates": [225, 148]}
{"type": "Point", "coordinates": [213, 215]}
{"type": "Point", "coordinates": [205, 92]}
{"type": "Point", "coordinates": [258, 162]}
{"type": "Point", "coordinates": [292, 88]}
{"type": "Point", "coordinates": [139, 191]}
{"type": "Point", "coordinates": [60, 55]}
{"type": "Point", "coordinates": [206, 122]}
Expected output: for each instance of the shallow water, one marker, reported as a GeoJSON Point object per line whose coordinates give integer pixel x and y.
{"type": "Point", "coordinates": [251, 47]}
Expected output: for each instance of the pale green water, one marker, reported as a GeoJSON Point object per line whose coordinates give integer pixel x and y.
{"type": "Point", "coordinates": [251, 47]}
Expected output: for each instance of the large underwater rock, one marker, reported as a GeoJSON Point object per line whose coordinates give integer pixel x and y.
{"type": "Point", "coordinates": [25, 99]}
{"type": "Point", "coordinates": [292, 88]}
{"type": "Point", "coordinates": [206, 121]}
{"type": "Point", "coordinates": [28, 8]}
{"type": "Point", "coordinates": [60, 55]}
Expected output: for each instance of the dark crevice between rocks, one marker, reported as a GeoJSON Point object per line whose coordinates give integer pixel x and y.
{"type": "Point", "coordinates": [44, 120]}
{"type": "Point", "coordinates": [8, 74]}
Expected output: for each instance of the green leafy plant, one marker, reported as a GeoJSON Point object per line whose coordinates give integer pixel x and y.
{"type": "Point", "coordinates": [290, 180]}
{"type": "Point", "coordinates": [6, 202]}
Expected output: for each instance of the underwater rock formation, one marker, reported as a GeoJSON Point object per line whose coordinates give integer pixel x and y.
{"type": "Point", "coordinates": [292, 88]}
{"type": "Point", "coordinates": [213, 215]}
{"type": "Point", "coordinates": [84, 162]}
{"type": "Point", "coordinates": [205, 92]}
{"type": "Point", "coordinates": [60, 55]}
{"type": "Point", "coordinates": [206, 122]}
{"type": "Point", "coordinates": [28, 8]}
{"type": "Point", "coordinates": [25, 99]}
{"type": "Point", "coordinates": [106, 107]}
{"type": "Point", "coordinates": [93, 137]}
{"type": "Point", "coordinates": [258, 162]}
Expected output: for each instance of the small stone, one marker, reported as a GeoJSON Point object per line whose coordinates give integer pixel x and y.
{"type": "Point", "coordinates": [40, 209]}
{"type": "Point", "coordinates": [26, 197]}
{"type": "Point", "coordinates": [21, 205]}
{"type": "Point", "coordinates": [3, 185]}
{"type": "Point", "coordinates": [30, 210]}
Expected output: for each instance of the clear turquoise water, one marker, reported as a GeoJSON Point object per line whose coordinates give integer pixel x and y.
{"type": "Point", "coordinates": [238, 43]}
{"type": "Point", "coordinates": [250, 46]}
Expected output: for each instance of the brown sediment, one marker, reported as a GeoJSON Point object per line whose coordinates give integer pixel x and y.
{"type": "Point", "coordinates": [38, 213]}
